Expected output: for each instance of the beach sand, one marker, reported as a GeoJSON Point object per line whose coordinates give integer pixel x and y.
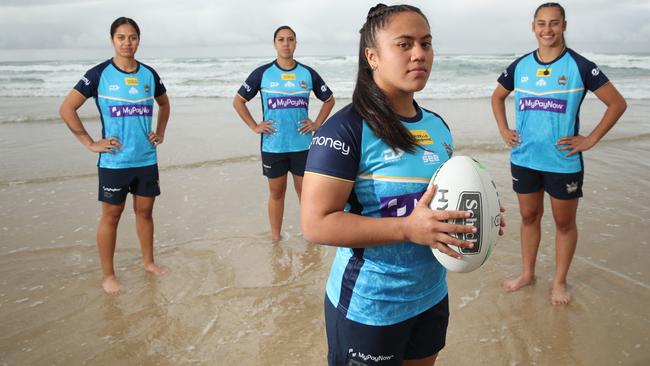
{"type": "Point", "coordinates": [234, 298]}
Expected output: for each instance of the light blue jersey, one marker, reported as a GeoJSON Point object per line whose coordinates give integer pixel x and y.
{"type": "Point", "coordinates": [547, 106]}
{"type": "Point", "coordinates": [125, 101]}
{"type": "Point", "coordinates": [285, 101]}
{"type": "Point", "coordinates": [385, 284]}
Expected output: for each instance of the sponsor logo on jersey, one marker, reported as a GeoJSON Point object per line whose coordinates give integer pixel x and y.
{"type": "Point", "coordinates": [391, 155]}
{"type": "Point", "coordinates": [524, 79]}
{"type": "Point", "coordinates": [572, 187]}
{"type": "Point", "coordinates": [146, 88]}
{"type": "Point", "coordinates": [505, 73]}
{"type": "Point", "coordinates": [422, 137]}
{"type": "Point", "coordinates": [562, 80]}
{"type": "Point", "coordinates": [289, 84]}
{"type": "Point", "coordinates": [273, 84]}
{"type": "Point", "coordinates": [399, 206]}
{"type": "Point", "coordinates": [429, 157]}
{"type": "Point", "coordinates": [542, 104]}
{"type": "Point", "coordinates": [470, 201]}
{"type": "Point", "coordinates": [323, 88]}
{"type": "Point", "coordinates": [595, 71]}
{"type": "Point", "coordinates": [303, 84]}
{"type": "Point", "coordinates": [288, 76]}
{"type": "Point", "coordinates": [131, 81]}
{"type": "Point", "coordinates": [248, 88]}
{"type": "Point", "coordinates": [287, 102]}
{"type": "Point", "coordinates": [85, 80]}
{"type": "Point", "coordinates": [113, 87]}
{"type": "Point", "coordinates": [133, 90]}
{"type": "Point", "coordinates": [131, 110]}
{"type": "Point", "coordinates": [541, 82]}
{"type": "Point", "coordinates": [544, 72]}
{"type": "Point", "coordinates": [331, 143]}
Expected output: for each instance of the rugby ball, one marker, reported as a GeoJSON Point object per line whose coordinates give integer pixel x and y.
{"type": "Point", "coordinates": [463, 184]}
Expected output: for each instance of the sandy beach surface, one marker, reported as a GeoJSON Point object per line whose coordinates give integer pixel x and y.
{"type": "Point", "coordinates": [232, 297]}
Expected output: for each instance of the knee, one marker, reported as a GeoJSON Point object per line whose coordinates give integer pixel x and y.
{"type": "Point", "coordinates": [112, 216]}
{"type": "Point", "coordinates": [531, 217]}
{"type": "Point", "coordinates": [277, 194]}
{"type": "Point", "coordinates": [565, 225]}
{"type": "Point", "coordinates": [143, 213]}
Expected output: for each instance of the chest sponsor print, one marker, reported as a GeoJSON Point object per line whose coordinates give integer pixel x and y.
{"type": "Point", "coordinates": [131, 110]}
{"type": "Point", "coordinates": [287, 102]}
{"type": "Point", "coordinates": [399, 206]}
{"type": "Point", "coordinates": [542, 104]}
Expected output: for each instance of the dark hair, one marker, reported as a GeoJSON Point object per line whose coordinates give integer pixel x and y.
{"type": "Point", "coordinates": [121, 21]}
{"type": "Point", "coordinates": [552, 5]}
{"type": "Point", "coordinates": [367, 99]}
{"type": "Point", "coordinates": [281, 28]}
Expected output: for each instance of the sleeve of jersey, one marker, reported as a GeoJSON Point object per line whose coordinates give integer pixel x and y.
{"type": "Point", "coordinates": [249, 88]}
{"type": "Point", "coordinates": [507, 77]}
{"type": "Point", "coordinates": [89, 83]}
{"type": "Point", "coordinates": [321, 90]}
{"type": "Point", "coordinates": [335, 148]}
{"type": "Point", "coordinates": [160, 87]}
{"type": "Point", "coordinates": [592, 76]}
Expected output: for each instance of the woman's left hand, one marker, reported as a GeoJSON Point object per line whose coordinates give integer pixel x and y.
{"type": "Point", "coordinates": [576, 144]}
{"type": "Point", "coordinates": [155, 139]}
{"type": "Point", "coordinates": [307, 126]}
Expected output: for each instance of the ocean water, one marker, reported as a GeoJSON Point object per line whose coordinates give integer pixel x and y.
{"type": "Point", "coordinates": [452, 77]}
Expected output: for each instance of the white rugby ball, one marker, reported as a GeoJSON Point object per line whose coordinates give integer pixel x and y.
{"type": "Point", "coordinates": [463, 184]}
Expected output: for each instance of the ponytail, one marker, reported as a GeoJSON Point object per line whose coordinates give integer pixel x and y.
{"type": "Point", "coordinates": [368, 99]}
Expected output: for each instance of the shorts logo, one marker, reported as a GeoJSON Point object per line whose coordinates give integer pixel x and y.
{"type": "Point", "coordinates": [543, 73]}
{"type": "Point", "coordinates": [303, 84]}
{"type": "Point", "coordinates": [470, 201]}
{"type": "Point", "coordinates": [429, 157]}
{"type": "Point", "coordinates": [331, 143]}
{"type": "Point", "coordinates": [113, 87]}
{"type": "Point", "coordinates": [366, 357]}
{"type": "Point", "coordinates": [390, 154]}
{"type": "Point", "coordinates": [422, 137]}
{"type": "Point", "coordinates": [595, 71]}
{"type": "Point", "coordinates": [287, 102]}
{"type": "Point", "coordinates": [399, 206]}
{"type": "Point", "coordinates": [288, 76]}
{"type": "Point", "coordinates": [543, 104]}
{"type": "Point", "coordinates": [572, 187]}
{"type": "Point", "coordinates": [562, 80]}
{"type": "Point", "coordinates": [131, 110]}
{"type": "Point", "coordinates": [85, 80]}
{"type": "Point", "coordinates": [540, 82]}
{"type": "Point", "coordinates": [131, 81]}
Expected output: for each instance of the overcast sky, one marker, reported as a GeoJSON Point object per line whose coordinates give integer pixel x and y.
{"type": "Point", "coordinates": [244, 27]}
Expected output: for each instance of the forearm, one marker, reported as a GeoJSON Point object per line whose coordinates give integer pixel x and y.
{"type": "Point", "coordinates": [163, 118]}
{"type": "Point", "coordinates": [611, 116]}
{"type": "Point", "coordinates": [325, 111]}
{"type": "Point", "coordinates": [499, 111]}
{"type": "Point", "coordinates": [242, 110]}
{"type": "Point", "coordinates": [72, 120]}
{"type": "Point", "coordinates": [350, 230]}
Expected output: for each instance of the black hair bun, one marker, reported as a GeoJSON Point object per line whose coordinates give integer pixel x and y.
{"type": "Point", "coordinates": [376, 10]}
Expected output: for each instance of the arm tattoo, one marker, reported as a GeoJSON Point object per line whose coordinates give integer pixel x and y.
{"type": "Point", "coordinates": [78, 132]}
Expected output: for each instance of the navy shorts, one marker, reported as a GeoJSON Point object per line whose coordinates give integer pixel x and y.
{"type": "Point", "coordinates": [563, 186]}
{"type": "Point", "coordinates": [355, 344]}
{"type": "Point", "coordinates": [115, 184]}
{"type": "Point", "coordinates": [275, 165]}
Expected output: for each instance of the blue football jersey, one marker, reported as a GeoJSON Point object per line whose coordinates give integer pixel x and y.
{"type": "Point", "coordinates": [385, 284]}
{"type": "Point", "coordinates": [285, 101]}
{"type": "Point", "coordinates": [547, 105]}
{"type": "Point", "coordinates": [125, 101]}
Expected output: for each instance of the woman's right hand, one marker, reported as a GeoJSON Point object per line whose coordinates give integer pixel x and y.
{"type": "Point", "coordinates": [265, 127]}
{"type": "Point", "coordinates": [428, 227]}
{"type": "Point", "coordinates": [108, 145]}
{"type": "Point", "coordinates": [510, 137]}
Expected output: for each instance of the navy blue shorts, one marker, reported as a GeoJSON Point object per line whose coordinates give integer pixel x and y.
{"type": "Point", "coordinates": [275, 165]}
{"type": "Point", "coordinates": [563, 186]}
{"type": "Point", "coordinates": [115, 184]}
{"type": "Point", "coordinates": [355, 344]}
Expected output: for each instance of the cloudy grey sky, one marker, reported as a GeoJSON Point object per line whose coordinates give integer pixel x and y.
{"type": "Point", "coordinates": [227, 28]}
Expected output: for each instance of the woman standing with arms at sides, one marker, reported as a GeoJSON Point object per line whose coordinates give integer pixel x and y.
{"type": "Point", "coordinates": [124, 90]}
{"type": "Point", "coordinates": [365, 191]}
{"type": "Point", "coordinates": [550, 84]}
{"type": "Point", "coordinates": [286, 129]}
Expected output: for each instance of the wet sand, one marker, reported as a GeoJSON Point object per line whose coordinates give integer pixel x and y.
{"type": "Point", "coordinates": [233, 297]}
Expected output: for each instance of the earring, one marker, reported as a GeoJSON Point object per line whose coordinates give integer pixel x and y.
{"type": "Point", "coordinates": [373, 67]}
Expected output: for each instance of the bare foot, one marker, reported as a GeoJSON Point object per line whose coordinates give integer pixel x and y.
{"type": "Point", "coordinates": [514, 284]}
{"type": "Point", "coordinates": [111, 286]}
{"type": "Point", "coordinates": [560, 295]}
{"type": "Point", "coordinates": [155, 269]}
